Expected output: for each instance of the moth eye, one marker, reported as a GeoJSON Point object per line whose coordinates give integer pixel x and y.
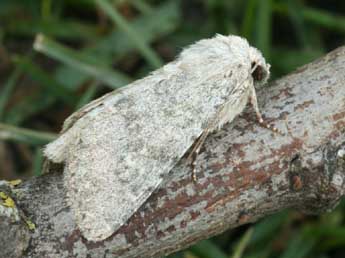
{"type": "Point", "coordinates": [259, 73]}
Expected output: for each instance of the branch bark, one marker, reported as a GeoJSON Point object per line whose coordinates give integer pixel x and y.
{"type": "Point", "coordinates": [245, 172]}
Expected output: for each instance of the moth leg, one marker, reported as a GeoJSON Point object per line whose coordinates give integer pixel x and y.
{"type": "Point", "coordinates": [254, 102]}
{"type": "Point", "coordinates": [195, 151]}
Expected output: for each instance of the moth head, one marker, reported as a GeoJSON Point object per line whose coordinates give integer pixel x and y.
{"type": "Point", "coordinates": [260, 70]}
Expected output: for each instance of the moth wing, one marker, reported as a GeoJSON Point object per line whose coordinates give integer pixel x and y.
{"type": "Point", "coordinates": [119, 153]}
{"type": "Point", "coordinates": [101, 197]}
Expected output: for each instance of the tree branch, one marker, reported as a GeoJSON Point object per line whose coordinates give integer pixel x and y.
{"type": "Point", "coordinates": [245, 172]}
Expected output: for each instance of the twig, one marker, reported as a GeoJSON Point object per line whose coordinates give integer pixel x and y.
{"type": "Point", "coordinates": [245, 172]}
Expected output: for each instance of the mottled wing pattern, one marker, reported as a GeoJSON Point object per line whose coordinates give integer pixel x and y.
{"type": "Point", "coordinates": [118, 153]}
{"type": "Point", "coordinates": [114, 173]}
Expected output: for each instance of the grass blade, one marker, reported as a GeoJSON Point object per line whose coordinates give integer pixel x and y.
{"type": "Point", "coordinates": [295, 13]}
{"type": "Point", "coordinates": [286, 59]}
{"type": "Point", "coordinates": [207, 249]}
{"type": "Point", "coordinates": [116, 17]}
{"type": "Point", "coordinates": [238, 252]}
{"type": "Point", "coordinates": [36, 73]}
{"type": "Point", "coordinates": [12, 133]}
{"type": "Point", "coordinates": [113, 47]}
{"type": "Point", "coordinates": [67, 29]}
{"type": "Point", "coordinates": [88, 95]}
{"type": "Point", "coordinates": [299, 247]}
{"type": "Point", "coordinates": [248, 20]}
{"type": "Point", "coordinates": [46, 9]}
{"type": "Point", "coordinates": [142, 6]}
{"type": "Point", "coordinates": [5, 93]}
{"type": "Point", "coordinates": [79, 61]}
{"type": "Point", "coordinates": [317, 17]}
{"type": "Point", "coordinates": [265, 229]}
{"type": "Point", "coordinates": [164, 20]}
{"type": "Point", "coordinates": [263, 27]}
{"type": "Point", "coordinates": [30, 106]}
{"type": "Point", "coordinates": [37, 162]}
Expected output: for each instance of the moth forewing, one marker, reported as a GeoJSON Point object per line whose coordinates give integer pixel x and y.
{"type": "Point", "coordinates": [119, 150]}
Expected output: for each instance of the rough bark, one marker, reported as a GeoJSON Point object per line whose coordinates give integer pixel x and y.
{"type": "Point", "coordinates": [245, 172]}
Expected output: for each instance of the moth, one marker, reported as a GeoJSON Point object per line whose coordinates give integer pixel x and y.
{"type": "Point", "coordinates": [118, 149]}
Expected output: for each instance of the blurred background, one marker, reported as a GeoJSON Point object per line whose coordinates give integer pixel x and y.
{"type": "Point", "coordinates": [87, 48]}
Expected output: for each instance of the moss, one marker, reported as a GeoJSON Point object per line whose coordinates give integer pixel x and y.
{"type": "Point", "coordinates": [7, 200]}
{"type": "Point", "coordinates": [15, 182]}
{"type": "Point", "coordinates": [30, 224]}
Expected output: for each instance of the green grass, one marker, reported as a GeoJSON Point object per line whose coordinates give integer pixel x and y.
{"type": "Point", "coordinates": [63, 54]}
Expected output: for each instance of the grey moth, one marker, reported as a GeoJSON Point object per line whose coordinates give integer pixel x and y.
{"type": "Point", "coordinates": [118, 149]}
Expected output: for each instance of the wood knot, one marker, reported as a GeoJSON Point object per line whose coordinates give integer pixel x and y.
{"type": "Point", "coordinates": [297, 183]}
{"type": "Point", "coordinates": [243, 218]}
